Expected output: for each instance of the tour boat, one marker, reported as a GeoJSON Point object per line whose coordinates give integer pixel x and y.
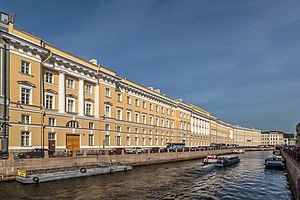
{"type": "Point", "coordinates": [274, 162]}
{"type": "Point", "coordinates": [44, 175]}
{"type": "Point", "coordinates": [210, 159]}
{"type": "Point", "coordinates": [224, 161]}
{"type": "Point", "coordinates": [238, 151]}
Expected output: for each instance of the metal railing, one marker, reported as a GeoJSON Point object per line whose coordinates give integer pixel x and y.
{"type": "Point", "coordinates": [293, 152]}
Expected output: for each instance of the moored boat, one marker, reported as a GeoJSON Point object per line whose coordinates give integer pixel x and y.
{"type": "Point", "coordinates": [224, 161]}
{"type": "Point", "coordinates": [238, 151]}
{"type": "Point", "coordinates": [210, 159]}
{"type": "Point", "coordinates": [274, 162]}
{"type": "Point", "coordinates": [45, 175]}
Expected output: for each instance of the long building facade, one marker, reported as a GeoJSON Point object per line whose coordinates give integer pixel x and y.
{"type": "Point", "coordinates": [59, 101]}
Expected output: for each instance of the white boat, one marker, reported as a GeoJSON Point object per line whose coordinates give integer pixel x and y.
{"type": "Point", "coordinates": [45, 175]}
{"type": "Point", "coordinates": [274, 162]}
{"type": "Point", "coordinates": [224, 161]}
{"type": "Point", "coordinates": [210, 159]}
{"type": "Point", "coordinates": [238, 151]}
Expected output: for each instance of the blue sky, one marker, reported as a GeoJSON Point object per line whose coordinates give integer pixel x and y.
{"type": "Point", "coordinates": [238, 59]}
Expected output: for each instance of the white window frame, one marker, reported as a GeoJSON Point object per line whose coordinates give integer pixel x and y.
{"type": "Point", "coordinates": [107, 143]}
{"type": "Point", "coordinates": [91, 108]}
{"type": "Point", "coordinates": [128, 100]}
{"type": "Point", "coordinates": [107, 114]}
{"type": "Point", "coordinates": [52, 119]}
{"type": "Point", "coordinates": [144, 119]}
{"type": "Point", "coordinates": [119, 97]}
{"type": "Point", "coordinates": [119, 117]}
{"type": "Point", "coordinates": [128, 118]}
{"type": "Point", "coordinates": [29, 67]}
{"type": "Point", "coordinates": [144, 104]}
{"type": "Point", "coordinates": [151, 120]}
{"type": "Point", "coordinates": [30, 94]}
{"type": "Point", "coordinates": [70, 80]}
{"type": "Point", "coordinates": [91, 139]}
{"type": "Point", "coordinates": [137, 103]}
{"type": "Point", "coordinates": [137, 117]}
{"type": "Point", "coordinates": [49, 79]}
{"type": "Point", "coordinates": [53, 100]}
{"type": "Point", "coordinates": [29, 119]}
{"type": "Point", "coordinates": [93, 125]}
{"type": "Point", "coordinates": [74, 104]}
{"type": "Point", "coordinates": [88, 89]}
{"type": "Point", "coordinates": [128, 140]}
{"type": "Point", "coordinates": [107, 92]}
{"type": "Point", "coordinates": [29, 139]}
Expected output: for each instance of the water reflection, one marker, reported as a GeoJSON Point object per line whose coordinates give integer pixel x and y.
{"type": "Point", "coordinates": [182, 180]}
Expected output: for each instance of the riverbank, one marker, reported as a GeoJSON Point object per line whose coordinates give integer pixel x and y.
{"type": "Point", "coordinates": [8, 168]}
{"type": "Point", "coordinates": [293, 169]}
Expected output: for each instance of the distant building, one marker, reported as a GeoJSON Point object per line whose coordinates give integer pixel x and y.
{"type": "Point", "coordinates": [272, 138]}
{"type": "Point", "coordinates": [298, 134]}
{"type": "Point", "coordinates": [289, 139]}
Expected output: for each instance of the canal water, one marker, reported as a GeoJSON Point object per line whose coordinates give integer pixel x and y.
{"type": "Point", "coordinates": [180, 180]}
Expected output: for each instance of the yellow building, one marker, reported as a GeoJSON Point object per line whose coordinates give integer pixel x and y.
{"type": "Point", "coordinates": [59, 101]}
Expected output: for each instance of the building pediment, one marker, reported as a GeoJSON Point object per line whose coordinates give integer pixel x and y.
{"type": "Point", "coordinates": [26, 83]}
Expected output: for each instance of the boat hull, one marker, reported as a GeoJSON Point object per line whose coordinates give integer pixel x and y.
{"type": "Point", "coordinates": [82, 172]}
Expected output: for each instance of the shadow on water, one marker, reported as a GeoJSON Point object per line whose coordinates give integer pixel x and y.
{"type": "Point", "coordinates": [180, 180]}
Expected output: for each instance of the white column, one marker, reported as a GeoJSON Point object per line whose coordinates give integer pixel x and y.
{"type": "Point", "coordinates": [192, 125]}
{"type": "Point", "coordinates": [97, 100]}
{"type": "Point", "coordinates": [81, 98]}
{"type": "Point", "coordinates": [62, 93]}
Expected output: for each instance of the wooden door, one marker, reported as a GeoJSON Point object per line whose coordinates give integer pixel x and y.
{"type": "Point", "coordinates": [73, 142]}
{"type": "Point", "coordinates": [51, 141]}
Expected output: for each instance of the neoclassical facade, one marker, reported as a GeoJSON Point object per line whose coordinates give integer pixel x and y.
{"type": "Point", "coordinates": [57, 101]}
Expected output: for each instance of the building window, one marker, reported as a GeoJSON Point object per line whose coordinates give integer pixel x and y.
{"type": "Point", "coordinates": [88, 108]}
{"type": "Point", "coordinates": [150, 132]}
{"type": "Point", "coordinates": [119, 114]}
{"type": "Point", "coordinates": [119, 130]}
{"type": "Point", "coordinates": [91, 139]}
{"type": "Point", "coordinates": [150, 141]}
{"type": "Point", "coordinates": [136, 141]}
{"type": "Point", "coordinates": [70, 83]}
{"type": "Point", "coordinates": [144, 141]}
{"type": "Point", "coordinates": [128, 140]}
{"type": "Point", "coordinates": [25, 67]}
{"type": "Point", "coordinates": [144, 104]}
{"type": "Point", "coordinates": [25, 95]}
{"type": "Point", "coordinates": [156, 141]}
{"type": "Point", "coordinates": [119, 97]}
{"type": "Point", "coordinates": [49, 101]}
{"type": "Point", "coordinates": [25, 138]}
{"type": "Point", "coordinates": [107, 92]}
{"type": "Point", "coordinates": [168, 112]}
{"type": "Point", "coordinates": [157, 121]}
{"type": "Point", "coordinates": [25, 119]}
{"type": "Point", "coordinates": [151, 120]}
{"type": "Point", "coordinates": [151, 106]}
{"type": "Point", "coordinates": [162, 141]}
{"type": "Point", "coordinates": [162, 122]}
{"type": "Point", "coordinates": [137, 103]}
{"type": "Point", "coordinates": [71, 105]}
{"type": "Point", "coordinates": [128, 130]}
{"type": "Point", "coordinates": [107, 127]}
{"type": "Point", "coordinates": [128, 116]}
{"type": "Point", "coordinates": [49, 77]}
{"type": "Point", "coordinates": [118, 140]}
{"type": "Point", "coordinates": [91, 125]}
{"type": "Point", "coordinates": [73, 124]}
{"type": "Point", "coordinates": [162, 110]}
{"type": "Point", "coordinates": [180, 114]}
{"type": "Point", "coordinates": [168, 123]}
{"type": "Point", "coordinates": [107, 140]}
{"type": "Point", "coordinates": [107, 111]}
{"type": "Point", "coordinates": [51, 121]}
{"type": "Point", "coordinates": [128, 100]}
{"type": "Point", "coordinates": [157, 109]}
{"type": "Point", "coordinates": [144, 119]}
{"type": "Point", "coordinates": [172, 112]}
{"type": "Point", "coordinates": [51, 136]}
{"type": "Point", "coordinates": [88, 89]}
{"type": "Point", "coordinates": [137, 116]}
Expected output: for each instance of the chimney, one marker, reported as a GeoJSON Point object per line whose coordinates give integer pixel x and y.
{"type": "Point", "coordinates": [93, 61]}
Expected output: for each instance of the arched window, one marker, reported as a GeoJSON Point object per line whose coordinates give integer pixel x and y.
{"type": "Point", "coordinates": [73, 124]}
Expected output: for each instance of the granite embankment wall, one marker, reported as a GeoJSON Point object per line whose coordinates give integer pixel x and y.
{"type": "Point", "coordinates": [293, 169]}
{"type": "Point", "coordinates": [10, 166]}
